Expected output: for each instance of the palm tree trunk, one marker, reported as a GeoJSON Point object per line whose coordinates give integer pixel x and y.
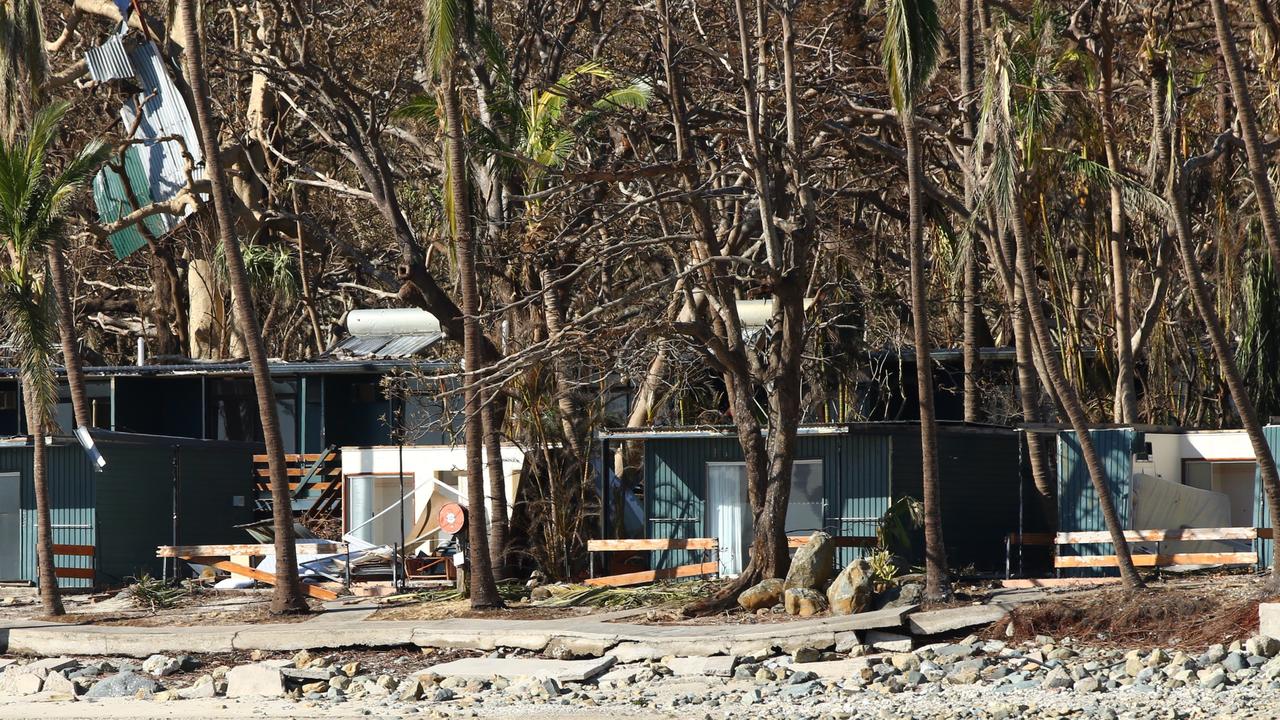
{"type": "Point", "coordinates": [493, 413]}
{"type": "Point", "coordinates": [484, 591]}
{"type": "Point", "coordinates": [50, 597]}
{"type": "Point", "coordinates": [67, 332]}
{"type": "Point", "coordinates": [287, 597]}
{"type": "Point", "coordinates": [937, 585]}
{"type": "Point", "coordinates": [1204, 302]}
{"type": "Point", "coordinates": [1070, 400]}
{"type": "Point", "coordinates": [972, 282]}
{"type": "Point", "coordinates": [1252, 137]}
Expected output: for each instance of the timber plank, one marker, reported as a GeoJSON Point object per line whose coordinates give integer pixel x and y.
{"type": "Point", "coordinates": [1031, 538]}
{"type": "Point", "coordinates": [316, 592]}
{"type": "Point", "coordinates": [1170, 535]}
{"type": "Point", "coordinates": [263, 472]}
{"type": "Point", "coordinates": [796, 541]}
{"type": "Point", "coordinates": [648, 576]}
{"type": "Point", "coordinates": [83, 550]}
{"type": "Point", "coordinates": [1162, 560]}
{"type": "Point", "coordinates": [652, 544]}
{"type": "Point", "coordinates": [190, 551]}
{"type": "Point", "coordinates": [77, 573]}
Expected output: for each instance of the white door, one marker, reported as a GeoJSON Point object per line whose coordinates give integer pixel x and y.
{"type": "Point", "coordinates": [729, 515]}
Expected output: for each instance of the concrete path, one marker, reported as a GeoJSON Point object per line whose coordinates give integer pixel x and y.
{"type": "Point", "coordinates": [569, 637]}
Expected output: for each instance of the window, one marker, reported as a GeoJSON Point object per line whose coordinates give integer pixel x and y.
{"type": "Point", "coordinates": [728, 511]}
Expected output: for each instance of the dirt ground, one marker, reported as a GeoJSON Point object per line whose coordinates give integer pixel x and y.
{"type": "Point", "coordinates": [1186, 613]}
{"type": "Point", "coordinates": [206, 606]}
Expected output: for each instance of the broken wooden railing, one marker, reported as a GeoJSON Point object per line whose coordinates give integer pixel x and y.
{"type": "Point", "coordinates": [236, 559]}
{"type": "Point", "coordinates": [315, 482]}
{"type": "Point", "coordinates": [1161, 559]}
{"type": "Point", "coordinates": [77, 571]}
{"type": "Point", "coordinates": [709, 547]}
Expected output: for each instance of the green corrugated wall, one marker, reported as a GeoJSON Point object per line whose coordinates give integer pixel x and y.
{"type": "Point", "coordinates": [1078, 505]}
{"type": "Point", "coordinates": [135, 511]}
{"type": "Point", "coordinates": [71, 506]}
{"type": "Point", "coordinates": [855, 471]}
{"type": "Point", "coordinates": [1262, 514]}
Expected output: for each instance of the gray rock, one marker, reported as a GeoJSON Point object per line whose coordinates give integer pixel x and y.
{"type": "Point", "coordinates": [1087, 685]}
{"type": "Point", "coordinates": [1057, 678]}
{"type": "Point", "coordinates": [812, 566]}
{"type": "Point", "coordinates": [56, 682]}
{"type": "Point", "coordinates": [1263, 645]}
{"type": "Point", "coordinates": [1234, 662]}
{"type": "Point", "coordinates": [442, 695]}
{"type": "Point", "coordinates": [963, 676]}
{"type": "Point", "coordinates": [803, 602]}
{"type": "Point", "coordinates": [1213, 679]}
{"type": "Point", "coordinates": [124, 684]}
{"type": "Point", "coordinates": [764, 594]}
{"type": "Point", "coordinates": [203, 687]}
{"type": "Point", "coordinates": [800, 690]}
{"type": "Point", "coordinates": [852, 589]}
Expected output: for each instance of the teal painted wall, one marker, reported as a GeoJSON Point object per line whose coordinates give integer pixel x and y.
{"type": "Point", "coordinates": [855, 471]}
{"type": "Point", "coordinates": [126, 510]}
{"type": "Point", "coordinates": [1078, 505]}
{"type": "Point", "coordinates": [1262, 513]}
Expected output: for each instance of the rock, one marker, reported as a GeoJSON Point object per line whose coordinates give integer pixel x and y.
{"type": "Point", "coordinates": [1133, 664]}
{"type": "Point", "coordinates": [811, 568]}
{"type": "Point", "coordinates": [160, 666]}
{"type": "Point", "coordinates": [309, 674]}
{"type": "Point", "coordinates": [901, 595]}
{"type": "Point", "coordinates": [563, 671]}
{"type": "Point", "coordinates": [351, 669]}
{"type": "Point", "coordinates": [905, 662]}
{"type": "Point", "coordinates": [442, 695]}
{"type": "Point", "coordinates": [798, 691]}
{"type": "Point", "coordinates": [715, 666]}
{"type": "Point", "coordinates": [1234, 662]}
{"type": "Point", "coordinates": [762, 595]}
{"type": "Point", "coordinates": [56, 682]}
{"type": "Point", "coordinates": [165, 696]}
{"type": "Point", "coordinates": [806, 655]}
{"type": "Point", "coordinates": [202, 688]}
{"type": "Point", "coordinates": [410, 690]}
{"type": "Point", "coordinates": [20, 683]}
{"type": "Point", "coordinates": [1213, 679]}
{"type": "Point", "coordinates": [316, 687]}
{"type": "Point", "coordinates": [963, 676]}
{"type": "Point", "coordinates": [889, 642]}
{"type": "Point", "coordinates": [1263, 646]}
{"type": "Point", "coordinates": [1057, 678]}
{"type": "Point", "coordinates": [803, 602]}
{"type": "Point", "coordinates": [124, 684]}
{"type": "Point", "coordinates": [1087, 685]}
{"type": "Point", "coordinates": [852, 589]}
{"type": "Point", "coordinates": [302, 659]}
{"type": "Point", "coordinates": [257, 680]}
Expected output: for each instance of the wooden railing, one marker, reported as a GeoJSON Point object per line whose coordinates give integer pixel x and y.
{"type": "Point", "coordinates": [1161, 559]}
{"type": "Point", "coordinates": [78, 573]}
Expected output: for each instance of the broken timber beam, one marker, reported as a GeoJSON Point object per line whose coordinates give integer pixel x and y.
{"type": "Point", "coordinates": [314, 591]}
{"type": "Point", "coordinates": [648, 576]}
{"type": "Point", "coordinates": [251, 550]}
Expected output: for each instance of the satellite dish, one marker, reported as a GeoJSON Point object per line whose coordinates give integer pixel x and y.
{"type": "Point", "coordinates": [451, 518]}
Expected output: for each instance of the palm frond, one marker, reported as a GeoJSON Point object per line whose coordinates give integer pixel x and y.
{"type": "Point", "coordinates": [440, 30]}
{"type": "Point", "coordinates": [1138, 198]}
{"type": "Point", "coordinates": [424, 108]}
{"type": "Point", "coordinates": [635, 96]}
{"type": "Point", "coordinates": [910, 49]}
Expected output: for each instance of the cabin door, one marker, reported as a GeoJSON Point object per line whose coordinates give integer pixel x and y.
{"type": "Point", "coordinates": [729, 515]}
{"type": "Point", "coordinates": [10, 526]}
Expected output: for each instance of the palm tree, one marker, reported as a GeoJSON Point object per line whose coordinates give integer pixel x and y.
{"type": "Point", "coordinates": [287, 597]}
{"type": "Point", "coordinates": [1252, 136]}
{"type": "Point", "coordinates": [31, 204]}
{"type": "Point", "coordinates": [1005, 179]}
{"type": "Point", "coordinates": [910, 51]}
{"type": "Point", "coordinates": [444, 21]}
{"type": "Point", "coordinates": [23, 64]}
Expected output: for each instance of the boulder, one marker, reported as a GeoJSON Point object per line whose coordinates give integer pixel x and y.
{"type": "Point", "coordinates": [812, 566]}
{"type": "Point", "coordinates": [804, 602]}
{"type": "Point", "coordinates": [161, 666]}
{"type": "Point", "coordinates": [20, 683]}
{"type": "Point", "coordinates": [762, 595]}
{"type": "Point", "coordinates": [852, 590]}
{"type": "Point", "coordinates": [258, 680]}
{"type": "Point", "coordinates": [56, 682]}
{"type": "Point", "coordinates": [125, 684]}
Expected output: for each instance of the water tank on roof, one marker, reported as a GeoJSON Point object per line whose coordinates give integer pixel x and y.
{"type": "Point", "coordinates": [392, 321]}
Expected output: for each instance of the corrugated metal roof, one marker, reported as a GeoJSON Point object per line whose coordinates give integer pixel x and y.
{"type": "Point", "coordinates": [156, 169]}
{"type": "Point", "coordinates": [385, 346]}
{"type": "Point", "coordinates": [109, 61]}
{"type": "Point", "coordinates": [277, 368]}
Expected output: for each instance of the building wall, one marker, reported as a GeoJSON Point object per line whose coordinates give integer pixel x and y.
{"type": "Point", "coordinates": [980, 478]}
{"type": "Point", "coordinates": [71, 506]}
{"type": "Point", "coordinates": [855, 484]}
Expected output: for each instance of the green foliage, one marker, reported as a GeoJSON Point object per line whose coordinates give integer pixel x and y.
{"type": "Point", "coordinates": [910, 49]}
{"type": "Point", "coordinates": [882, 565]}
{"type": "Point", "coordinates": [24, 66]}
{"type": "Point", "coordinates": [1259, 354]}
{"type": "Point", "coordinates": [31, 206]}
{"type": "Point", "coordinates": [158, 594]}
{"type": "Point", "coordinates": [896, 526]}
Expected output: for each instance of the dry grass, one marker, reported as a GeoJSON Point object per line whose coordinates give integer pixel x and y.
{"type": "Point", "coordinates": [1186, 615]}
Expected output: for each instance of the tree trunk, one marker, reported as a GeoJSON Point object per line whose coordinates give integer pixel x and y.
{"type": "Point", "coordinates": [287, 596]}
{"type": "Point", "coordinates": [937, 586]}
{"type": "Point", "coordinates": [1204, 302]}
{"type": "Point", "coordinates": [1126, 400]}
{"type": "Point", "coordinates": [972, 281]}
{"type": "Point", "coordinates": [67, 331]}
{"type": "Point", "coordinates": [1070, 400]}
{"type": "Point", "coordinates": [1252, 137]}
{"type": "Point", "coordinates": [484, 591]}
{"type": "Point", "coordinates": [493, 414]}
{"type": "Point", "coordinates": [50, 596]}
